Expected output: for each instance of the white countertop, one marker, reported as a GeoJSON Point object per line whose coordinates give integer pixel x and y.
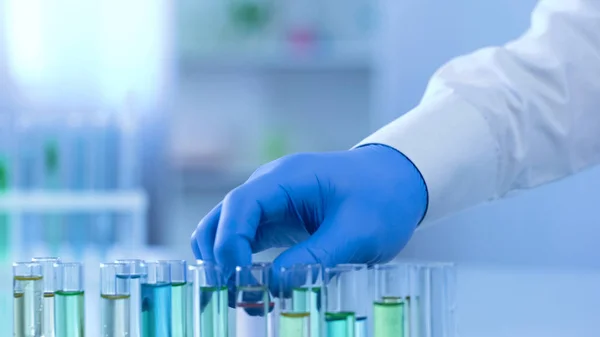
{"type": "Point", "coordinates": [520, 301]}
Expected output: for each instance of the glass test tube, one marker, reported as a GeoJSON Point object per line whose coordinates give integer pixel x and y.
{"type": "Point", "coordinates": [434, 305]}
{"type": "Point", "coordinates": [189, 320]}
{"type": "Point", "coordinates": [209, 301]}
{"type": "Point", "coordinates": [253, 305]}
{"type": "Point", "coordinates": [135, 273]}
{"type": "Point", "coordinates": [392, 298]}
{"type": "Point", "coordinates": [156, 300]}
{"type": "Point", "coordinates": [361, 297]}
{"type": "Point", "coordinates": [69, 312]}
{"type": "Point", "coordinates": [27, 299]}
{"type": "Point", "coordinates": [47, 264]}
{"type": "Point", "coordinates": [341, 300]}
{"type": "Point", "coordinates": [178, 297]}
{"type": "Point", "coordinates": [300, 296]}
{"type": "Point", "coordinates": [115, 298]}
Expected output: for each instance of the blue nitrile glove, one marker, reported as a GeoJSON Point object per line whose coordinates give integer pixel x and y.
{"type": "Point", "coordinates": [356, 206]}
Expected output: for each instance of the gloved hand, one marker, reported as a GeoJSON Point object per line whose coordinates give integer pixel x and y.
{"type": "Point", "coordinates": [356, 206]}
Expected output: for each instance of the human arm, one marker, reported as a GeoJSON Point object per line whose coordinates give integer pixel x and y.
{"type": "Point", "coordinates": [511, 117]}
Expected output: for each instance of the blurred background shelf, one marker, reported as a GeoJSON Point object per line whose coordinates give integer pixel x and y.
{"type": "Point", "coordinates": [60, 202]}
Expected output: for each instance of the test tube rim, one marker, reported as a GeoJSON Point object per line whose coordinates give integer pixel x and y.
{"type": "Point", "coordinates": [156, 262]}
{"type": "Point", "coordinates": [61, 266]}
{"type": "Point", "coordinates": [254, 265]}
{"type": "Point", "coordinates": [46, 259]}
{"type": "Point", "coordinates": [30, 268]}
{"type": "Point", "coordinates": [185, 269]}
{"type": "Point", "coordinates": [143, 269]}
{"type": "Point", "coordinates": [104, 265]}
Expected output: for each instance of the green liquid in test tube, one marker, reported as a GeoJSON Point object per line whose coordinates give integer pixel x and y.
{"type": "Point", "coordinates": [345, 304]}
{"type": "Point", "coordinates": [47, 265]}
{"type": "Point", "coordinates": [27, 299]}
{"type": "Point", "coordinates": [209, 301]}
{"type": "Point", "coordinates": [69, 300]}
{"type": "Point", "coordinates": [189, 330]}
{"type": "Point", "coordinates": [390, 308]}
{"type": "Point", "coordinates": [299, 288]}
{"type": "Point", "coordinates": [178, 297]}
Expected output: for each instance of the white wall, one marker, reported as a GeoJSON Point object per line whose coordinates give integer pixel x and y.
{"type": "Point", "coordinates": [556, 225]}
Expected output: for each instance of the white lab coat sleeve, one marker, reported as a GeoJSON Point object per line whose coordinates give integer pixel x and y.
{"type": "Point", "coordinates": [508, 118]}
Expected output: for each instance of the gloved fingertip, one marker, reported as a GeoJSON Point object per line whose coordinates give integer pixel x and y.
{"type": "Point", "coordinates": [195, 247]}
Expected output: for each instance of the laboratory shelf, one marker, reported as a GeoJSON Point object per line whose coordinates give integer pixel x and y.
{"type": "Point", "coordinates": [130, 201]}
{"type": "Point", "coordinates": [133, 203]}
{"type": "Point", "coordinates": [337, 57]}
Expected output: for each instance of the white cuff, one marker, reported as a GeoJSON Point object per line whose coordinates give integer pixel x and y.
{"type": "Point", "coordinates": [450, 143]}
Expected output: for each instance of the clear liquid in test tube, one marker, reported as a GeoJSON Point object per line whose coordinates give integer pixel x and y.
{"type": "Point", "coordinates": [115, 298]}
{"type": "Point", "coordinates": [47, 264]}
{"type": "Point", "coordinates": [135, 273]}
{"type": "Point", "coordinates": [27, 299]}
{"type": "Point", "coordinates": [254, 303]}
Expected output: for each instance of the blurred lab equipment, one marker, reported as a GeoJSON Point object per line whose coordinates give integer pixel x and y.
{"type": "Point", "coordinates": [73, 187]}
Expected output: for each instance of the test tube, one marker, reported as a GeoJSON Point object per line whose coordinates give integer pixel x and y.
{"type": "Point", "coordinates": [178, 297]}
{"type": "Point", "coordinates": [115, 297]}
{"type": "Point", "coordinates": [47, 265]}
{"type": "Point", "coordinates": [27, 302]}
{"type": "Point", "coordinates": [341, 304]}
{"type": "Point", "coordinates": [360, 298]}
{"type": "Point", "coordinates": [435, 306]}
{"type": "Point", "coordinates": [136, 271]}
{"type": "Point", "coordinates": [253, 301]}
{"type": "Point", "coordinates": [190, 302]}
{"type": "Point", "coordinates": [69, 300]}
{"type": "Point", "coordinates": [390, 308]}
{"type": "Point", "coordinates": [299, 294]}
{"type": "Point", "coordinates": [156, 300]}
{"type": "Point", "coordinates": [209, 301]}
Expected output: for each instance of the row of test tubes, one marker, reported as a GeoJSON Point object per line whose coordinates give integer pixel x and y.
{"type": "Point", "coordinates": [349, 300]}
{"type": "Point", "coordinates": [173, 299]}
